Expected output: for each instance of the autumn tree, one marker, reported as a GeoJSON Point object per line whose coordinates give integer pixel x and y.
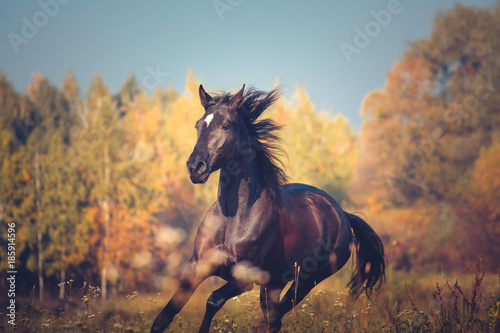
{"type": "Point", "coordinates": [15, 197]}
{"type": "Point", "coordinates": [321, 150]}
{"type": "Point", "coordinates": [480, 205]}
{"type": "Point", "coordinates": [86, 175]}
{"type": "Point", "coordinates": [422, 133]}
{"type": "Point", "coordinates": [100, 138]}
{"type": "Point", "coordinates": [49, 208]}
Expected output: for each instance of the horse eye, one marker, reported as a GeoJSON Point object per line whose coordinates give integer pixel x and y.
{"type": "Point", "coordinates": [225, 127]}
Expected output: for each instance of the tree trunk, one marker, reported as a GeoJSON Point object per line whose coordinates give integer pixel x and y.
{"type": "Point", "coordinates": [39, 226]}
{"type": "Point", "coordinates": [105, 208]}
{"type": "Point", "coordinates": [61, 284]}
{"type": "Point", "coordinates": [2, 284]}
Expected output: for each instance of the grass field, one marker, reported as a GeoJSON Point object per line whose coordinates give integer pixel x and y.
{"type": "Point", "coordinates": [407, 302]}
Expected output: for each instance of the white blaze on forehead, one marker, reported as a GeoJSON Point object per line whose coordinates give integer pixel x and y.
{"type": "Point", "coordinates": [209, 118]}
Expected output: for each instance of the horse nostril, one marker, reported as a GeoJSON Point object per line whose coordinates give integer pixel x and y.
{"type": "Point", "coordinates": [201, 166]}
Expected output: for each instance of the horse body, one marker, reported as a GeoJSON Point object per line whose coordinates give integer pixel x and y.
{"type": "Point", "coordinates": [262, 230]}
{"type": "Point", "coordinates": [308, 230]}
{"type": "Point", "coordinates": [315, 230]}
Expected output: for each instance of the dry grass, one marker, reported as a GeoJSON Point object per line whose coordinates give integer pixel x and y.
{"type": "Point", "coordinates": [469, 302]}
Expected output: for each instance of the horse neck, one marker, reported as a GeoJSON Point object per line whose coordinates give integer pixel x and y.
{"type": "Point", "coordinates": [239, 186]}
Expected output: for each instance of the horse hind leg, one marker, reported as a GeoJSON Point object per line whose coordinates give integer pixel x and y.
{"type": "Point", "coordinates": [296, 293]}
{"type": "Point", "coordinates": [219, 297]}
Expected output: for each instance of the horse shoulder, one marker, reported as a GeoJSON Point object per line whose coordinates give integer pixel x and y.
{"type": "Point", "coordinates": [210, 234]}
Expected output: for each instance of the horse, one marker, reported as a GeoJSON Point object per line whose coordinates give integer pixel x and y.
{"type": "Point", "coordinates": [262, 229]}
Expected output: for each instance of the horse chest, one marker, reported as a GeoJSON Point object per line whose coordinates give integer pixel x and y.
{"type": "Point", "coordinates": [244, 239]}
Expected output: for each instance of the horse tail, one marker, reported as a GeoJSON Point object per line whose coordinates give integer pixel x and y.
{"type": "Point", "coordinates": [370, 264]}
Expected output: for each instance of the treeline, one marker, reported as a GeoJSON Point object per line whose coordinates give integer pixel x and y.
{"type": "Point", "coordinates": [97, 187]}
{"type": "Point", "coordinates": [429, 166]}
{"type": "Point", "coordinates": [97, 184]}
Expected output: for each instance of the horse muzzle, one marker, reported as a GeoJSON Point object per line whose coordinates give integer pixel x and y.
{"type": "Point", "coordinates": [198, 170]}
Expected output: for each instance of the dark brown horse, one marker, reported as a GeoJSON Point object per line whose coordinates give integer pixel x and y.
{"type": "Point", "coordinates": [263, 230]}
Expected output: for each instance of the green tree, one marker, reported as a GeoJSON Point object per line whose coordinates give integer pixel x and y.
{"type": "Point", "coordinates": [127, 93]}
{"type": "Point", "coordinates": [15, 198]}
{"type": "Point", "coordinates": [70, 89]}
{"type": "Point", "coordinates": [56, 209]}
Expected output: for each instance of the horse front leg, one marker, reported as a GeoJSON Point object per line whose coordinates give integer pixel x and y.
{"type": "Point", "coordinates": [190, 280]}
{"type": "Point", "coordinates": [219, 297]}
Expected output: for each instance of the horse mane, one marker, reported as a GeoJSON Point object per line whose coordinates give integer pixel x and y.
{"type": "Point", "coordinates": [262, 133]}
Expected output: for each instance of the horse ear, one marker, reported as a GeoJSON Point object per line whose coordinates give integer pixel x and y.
{"type": "Point", "coordinates": [204, 97]}
{"type": "Point", "coordinates": [233, 102]}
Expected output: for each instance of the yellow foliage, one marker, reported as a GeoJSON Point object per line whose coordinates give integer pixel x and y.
{"type": "Point", "coordinates": [129, 162]}
{"type": "Point", "coordinates": [321, 150]}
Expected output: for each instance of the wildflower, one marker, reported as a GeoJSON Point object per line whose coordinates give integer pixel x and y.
{"type": "Point", "coordinates": [340, 304]}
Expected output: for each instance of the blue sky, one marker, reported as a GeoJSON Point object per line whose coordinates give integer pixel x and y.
{"type": "Point", "coordinates": [225, 42]}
